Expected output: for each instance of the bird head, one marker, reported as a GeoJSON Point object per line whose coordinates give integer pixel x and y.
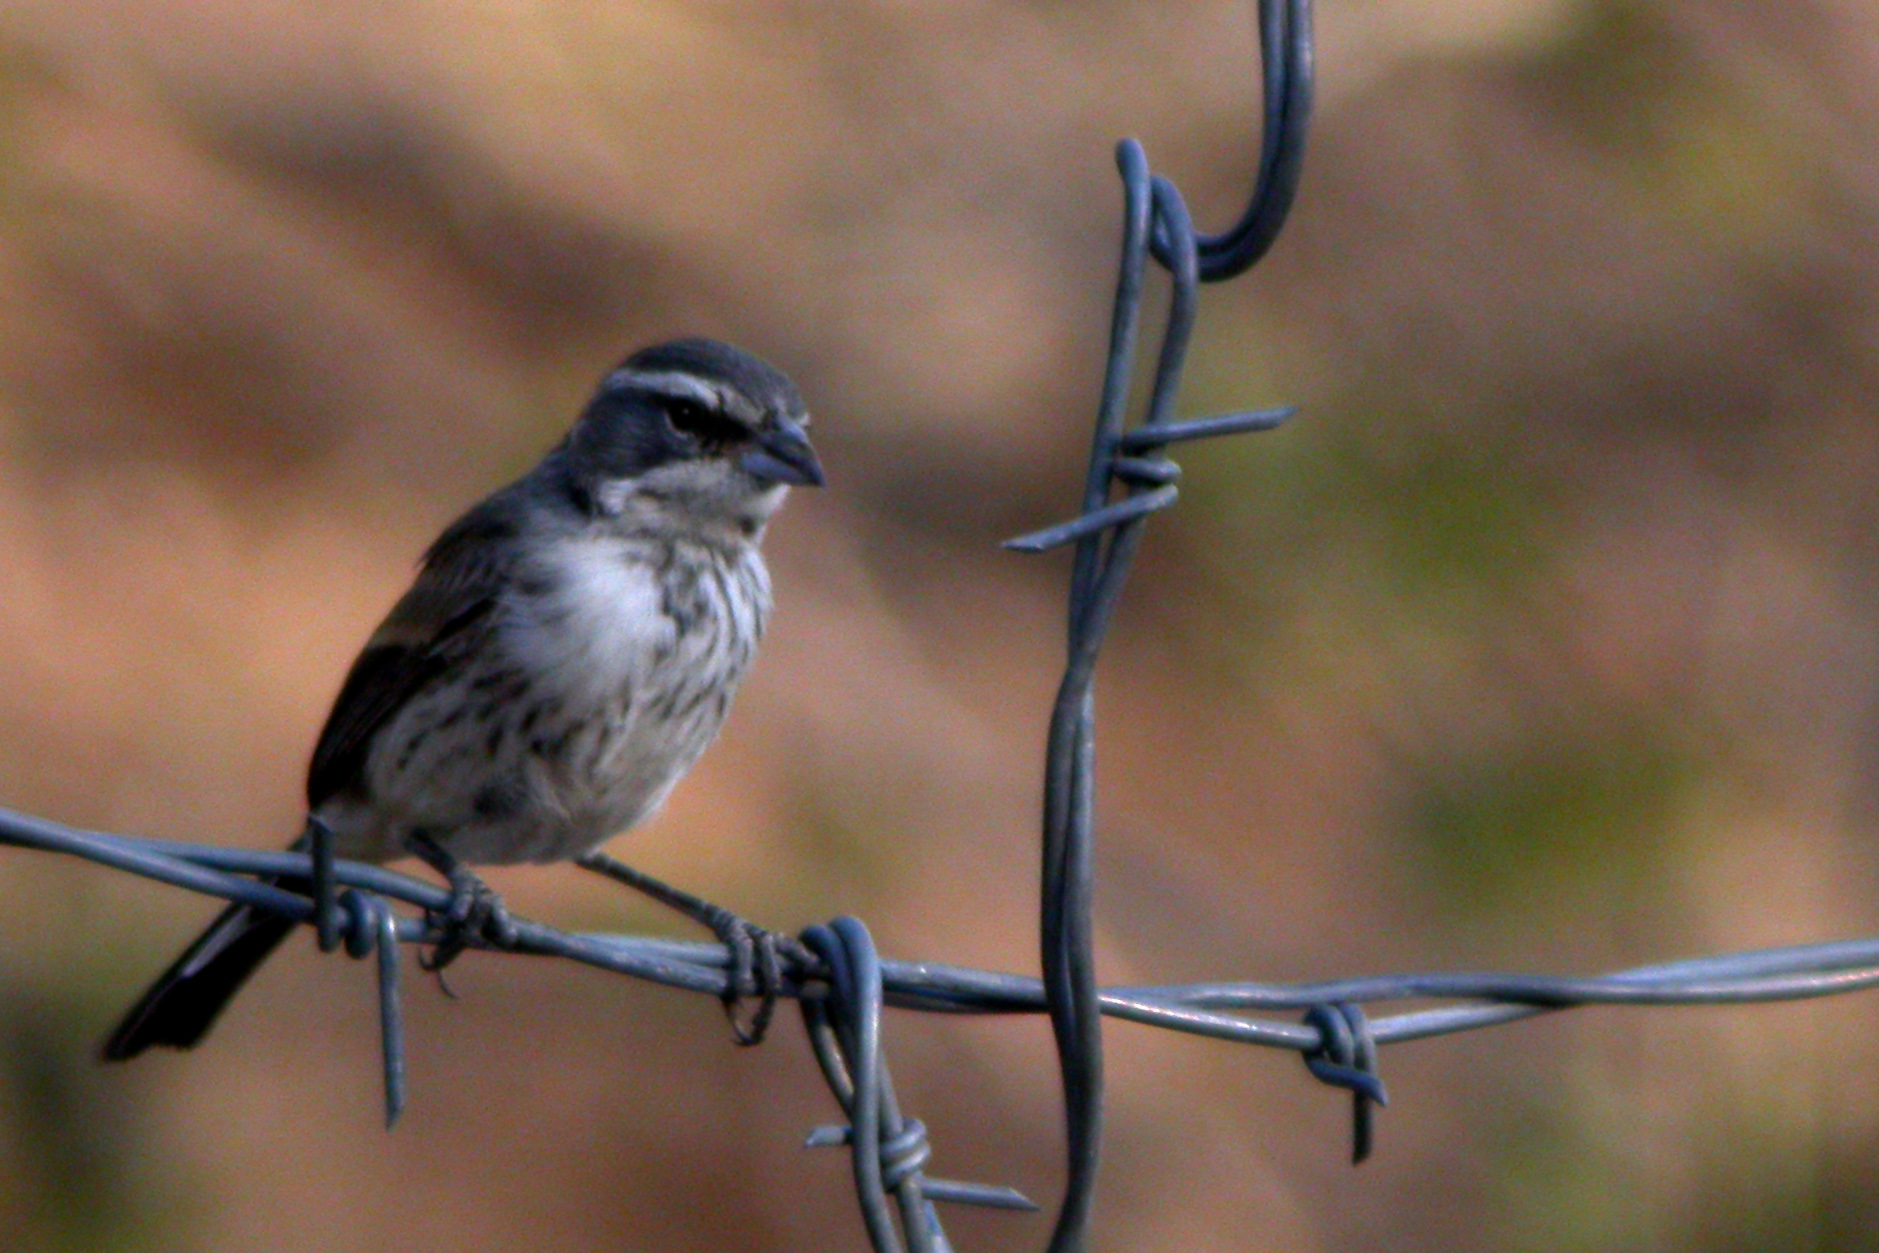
{"type": "Point", "coordinates": [695, 426]}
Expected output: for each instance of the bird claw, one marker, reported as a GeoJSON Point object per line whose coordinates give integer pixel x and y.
{"type": "Point", "coordinates": [474, 912]}
{"type": "Point", "coordinates": [757, 957]}
{"type": "Point", "coordinates": [753, 958]}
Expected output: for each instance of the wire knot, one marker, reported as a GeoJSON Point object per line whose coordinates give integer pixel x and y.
{"type": "Point", "coordinates": [1145, 471]}
{"type": "Point", "coordinates": [1346, 1057]}
{"type": "Point", "coordinates": [904, 1154]}
{"type": "Point", "coordinates": [363, 922]}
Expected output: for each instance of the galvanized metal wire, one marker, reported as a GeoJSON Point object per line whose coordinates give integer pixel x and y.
{"type": "Point", "coordinates": [844, 990]}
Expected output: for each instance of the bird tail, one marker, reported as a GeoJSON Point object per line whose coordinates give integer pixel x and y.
{"type": "Point", "coordinates": [179, 1008]}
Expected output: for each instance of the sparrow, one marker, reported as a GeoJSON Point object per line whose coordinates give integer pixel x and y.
{"type": "Point", "coordinates": [568, 649]}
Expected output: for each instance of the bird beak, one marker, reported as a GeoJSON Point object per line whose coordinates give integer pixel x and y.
{"type": "Point", "coordinates": [783, 455]}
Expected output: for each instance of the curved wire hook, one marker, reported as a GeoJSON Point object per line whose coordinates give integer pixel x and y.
{"type": "Point", "coordinates": [365, 923]}
{"type": "Point", "coordinates": [1285, 59]}
{"type": "Point", "coordinates": [846, 1033]}
{"type": "Point", "coordinates": [889, 1150]}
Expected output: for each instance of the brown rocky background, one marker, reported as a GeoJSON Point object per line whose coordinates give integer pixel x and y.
{"type": "Point", "coordinates": [1546, 638]}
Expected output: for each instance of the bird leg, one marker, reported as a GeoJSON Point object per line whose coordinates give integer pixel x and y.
{"type": "Point", "coordinates": [757, 953]}
{"type": "Point", "coordinates": [474, 908]}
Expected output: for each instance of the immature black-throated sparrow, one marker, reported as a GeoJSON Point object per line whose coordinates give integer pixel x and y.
{"type": "Point", "coordinates": [569, 648]}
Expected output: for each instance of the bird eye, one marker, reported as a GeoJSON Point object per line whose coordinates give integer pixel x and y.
{"type": "Point", "coordinates": [710, 427]}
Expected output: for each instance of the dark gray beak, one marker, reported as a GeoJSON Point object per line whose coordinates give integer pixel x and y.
{"type": "Point", "coordinates": [783, 455]}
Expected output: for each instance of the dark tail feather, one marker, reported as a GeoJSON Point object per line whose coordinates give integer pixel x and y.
{"type": "Point", "coordinates": [180, 1006]}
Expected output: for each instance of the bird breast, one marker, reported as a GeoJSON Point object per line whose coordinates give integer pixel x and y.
{"type": "Point", "coordinates": [633, 648]}
{"type": "Point", "coordinates": [594, 618]}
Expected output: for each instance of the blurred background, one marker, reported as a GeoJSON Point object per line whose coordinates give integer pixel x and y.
{"type": "Point", "coordinates": [1547, 637]}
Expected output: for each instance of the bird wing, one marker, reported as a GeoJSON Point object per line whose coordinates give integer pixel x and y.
{"type": "Point", "coordinates": [431, 629]}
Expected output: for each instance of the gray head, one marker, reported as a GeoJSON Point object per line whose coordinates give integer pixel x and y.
{"type": "Point", "coordinates": [693, 425]}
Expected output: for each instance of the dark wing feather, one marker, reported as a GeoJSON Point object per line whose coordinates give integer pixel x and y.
{"type": "Point", "coordinates": [431, 629]}
{"type": "Point", "coordinates": [428, 632]}
{"type": "Point", "coordinates": [183, 1003]}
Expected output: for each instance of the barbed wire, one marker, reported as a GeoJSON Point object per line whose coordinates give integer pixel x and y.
{"type": "Point", "coordinates": [843, 989]}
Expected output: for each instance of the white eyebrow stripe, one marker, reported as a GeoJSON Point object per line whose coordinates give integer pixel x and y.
{"type": "Point", "coordinates": [678, 385]}
{"type": "Point", "coordinates": [670, 383]}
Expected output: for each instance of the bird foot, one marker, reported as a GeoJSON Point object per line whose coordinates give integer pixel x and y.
{"type": "Point", "coordinates": [757, 954]}
{"type": "Point", "coordinates": [473, 913]}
